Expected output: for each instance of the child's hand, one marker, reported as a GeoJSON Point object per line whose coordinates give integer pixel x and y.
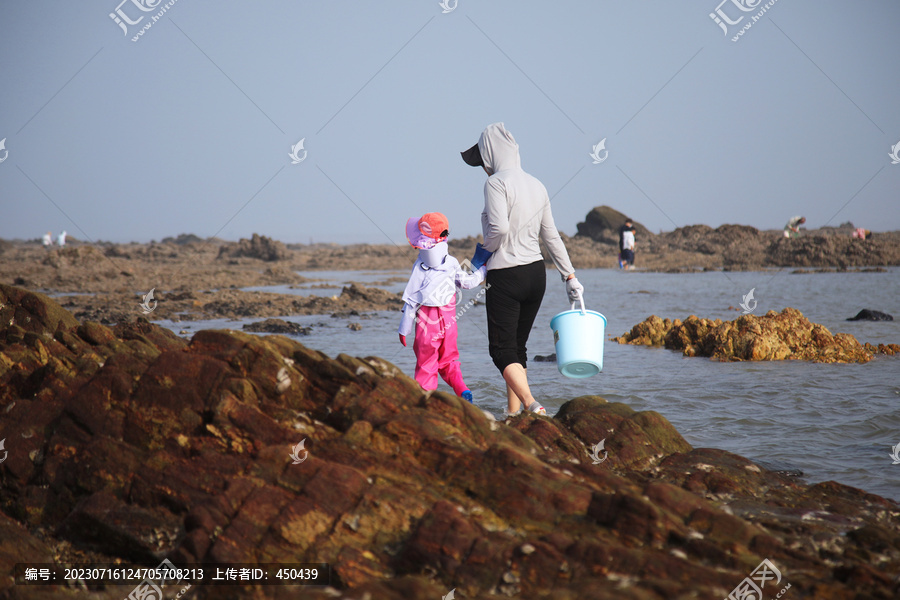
{"type": "Point", "coordinates": [403, 339]}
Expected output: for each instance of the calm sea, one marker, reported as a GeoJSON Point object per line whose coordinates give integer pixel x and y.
{"type": "Point", "coordinates": [832, 422]}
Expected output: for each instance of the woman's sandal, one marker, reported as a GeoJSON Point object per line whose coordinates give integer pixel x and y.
{"type": "Point", "coordinates": [537, 408]}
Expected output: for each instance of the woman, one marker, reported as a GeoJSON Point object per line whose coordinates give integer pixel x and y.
{"type": "Point", "coordinates": [516, 218]}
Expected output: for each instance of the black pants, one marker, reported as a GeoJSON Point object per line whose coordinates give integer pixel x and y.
{"type": "Point", "coordinates": [512, 303]}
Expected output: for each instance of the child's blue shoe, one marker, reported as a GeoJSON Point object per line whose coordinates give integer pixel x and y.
{"type": "Point", "coordinates": [467, 395]}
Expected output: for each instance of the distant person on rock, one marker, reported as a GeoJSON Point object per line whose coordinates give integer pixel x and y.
{"type": "Point", "coordinates": [626, 245]}
{"type": "Point", "coordinates": [515, 220]}
{"type": "Point", "coordinates": [48, 240]}
{"type": "Point", "coordinates": [862, 234]}
{"type": "Point", "coordinates": [61, 240]}
{"type": "Point", "coordinates": [429, 302]}
{"type": "Point", "coordinates": [792, 229]}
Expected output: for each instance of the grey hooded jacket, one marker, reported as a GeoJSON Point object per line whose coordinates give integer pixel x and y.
{"type": "Point", "coordinates": [516, 214]}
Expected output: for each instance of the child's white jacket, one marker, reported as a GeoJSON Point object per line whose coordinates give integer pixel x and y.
{"type": "Point", "coordinates": [433, 282]}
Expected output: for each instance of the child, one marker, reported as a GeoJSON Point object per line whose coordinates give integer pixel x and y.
{"type": "Point", "coordinates": [430, 302]}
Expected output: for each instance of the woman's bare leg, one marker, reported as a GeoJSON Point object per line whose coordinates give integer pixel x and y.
{"type": "Point", "coordinates": [517, 389]}
{"type": "Point", "coordinates": [511, 400]}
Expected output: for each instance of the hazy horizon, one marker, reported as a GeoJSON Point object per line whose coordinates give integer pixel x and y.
{"type": "Point", "coordinates": [74, 238]}
{"type": "Point", "coordinates": [191, 128]}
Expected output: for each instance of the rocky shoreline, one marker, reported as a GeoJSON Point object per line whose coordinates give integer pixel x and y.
{"type": "Point", "coordinates": [196, 279]}
{"type": "Point", "coordinates": [730, 247]}
{"type": "Point", "coordinates": [132, 444]}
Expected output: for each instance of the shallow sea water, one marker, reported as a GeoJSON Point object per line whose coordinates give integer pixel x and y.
{"type": "Point", "coordinates": [834, 422]}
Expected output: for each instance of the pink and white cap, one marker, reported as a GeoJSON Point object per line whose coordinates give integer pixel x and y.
{"type": "Point", "coordinates": [426, 231]}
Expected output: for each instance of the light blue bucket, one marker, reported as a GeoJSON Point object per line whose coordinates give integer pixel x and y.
{"type": "Point", "coordinates": [578, 335]}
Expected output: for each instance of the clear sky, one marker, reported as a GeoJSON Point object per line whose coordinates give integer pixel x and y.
{"type": "Point", "coordinates": [189, 128]}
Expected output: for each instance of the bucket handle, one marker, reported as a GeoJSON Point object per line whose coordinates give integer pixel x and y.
{"type": "Point", "coordinates": [581, 299]}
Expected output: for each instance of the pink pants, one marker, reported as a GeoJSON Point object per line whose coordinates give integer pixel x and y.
{"type": "Point", "coordinates": [435, 348]}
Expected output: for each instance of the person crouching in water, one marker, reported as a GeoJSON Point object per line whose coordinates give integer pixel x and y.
{"type": "Point", "coordinates": [430, 302]}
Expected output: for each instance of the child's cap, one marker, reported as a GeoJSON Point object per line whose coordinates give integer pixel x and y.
{"type": "Point", "coordinates": [435, 225]}
{"type": "Point", "coordinates": [425, 232]}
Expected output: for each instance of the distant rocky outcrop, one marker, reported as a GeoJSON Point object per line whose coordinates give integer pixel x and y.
{"type": "Point", "coordinates": [133, 444]}
{"type": "Point", "coordinates": [182, 239]}
{"type": "Point", "coordinates": [78, 256]}
{"type": "Point", "coordinates": [706, 240]}
{"type": "Point", "coordinates": [787, 335]}
{"type": "Point", "coordinates": [279, 326]}
{"type": "Point", "coordinates": [735, 246]}
{"type": "Point", "coordinates": [259, 246]}
{"type": "Point", "coordinates": [602, 225]}
{"type": "Point", "coordinates": [729, 247]}
{"type": "Point", "coordinates": [360, 297]}
{"type": "Point", "coordinates": [871, 315]}
{"type": "Point", "coordinates": [818, 250]}
{"type": "Point", "coordinates": [845, 228]}
{"type": "Point", "coordinates": [354, 298]}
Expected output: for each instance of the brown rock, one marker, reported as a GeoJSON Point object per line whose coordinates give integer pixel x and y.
{"type": "Point", "coordinates": [775, 336]}
{"type": "Point", "coordinates": [131, 444]}
{"type": "Point", "coordinates": [122, 529]}
{"type": "Point", "coordinates": [887, 349]}
{"type": "Point", "coordinates": [32, 311]}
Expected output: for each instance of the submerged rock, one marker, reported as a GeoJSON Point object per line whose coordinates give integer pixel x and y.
{"type": "Point", "coordinates": [143, 445]}
{"type": "Point", "coordinates": [889, 349]}
{"type": "Point", "coordinates": [277, 326]}
{"type": "Point", "coordinates": [871, 315]}
{"type": "Point", "coordinates": [787, 335]}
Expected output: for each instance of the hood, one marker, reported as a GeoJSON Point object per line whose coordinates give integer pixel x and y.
{"type": "Point", "coordinates": [498, 148]}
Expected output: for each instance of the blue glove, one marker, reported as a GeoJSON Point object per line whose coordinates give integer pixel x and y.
{"type": "Point", "coordinates": [480, 257]}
